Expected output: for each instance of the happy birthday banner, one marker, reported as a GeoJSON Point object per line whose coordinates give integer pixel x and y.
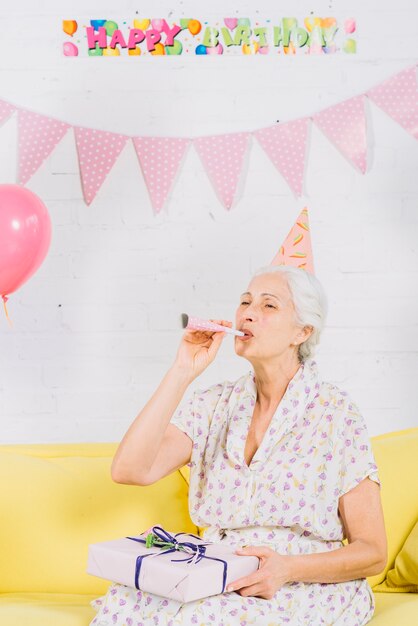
{"type": "Point", "coordinates": [222, 156]}
{"type": "Point", "coordinates": [232, 35]}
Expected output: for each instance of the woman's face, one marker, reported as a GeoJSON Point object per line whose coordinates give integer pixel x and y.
{"type": "Point", "coordinates": [268, 312]}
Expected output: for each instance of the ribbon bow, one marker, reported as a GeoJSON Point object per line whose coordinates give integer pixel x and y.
{"type": "Point", "coordinates": [163, 539]}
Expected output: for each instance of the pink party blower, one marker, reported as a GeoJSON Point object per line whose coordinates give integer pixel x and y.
{"type": "Point", "coordinates": [196, 323]}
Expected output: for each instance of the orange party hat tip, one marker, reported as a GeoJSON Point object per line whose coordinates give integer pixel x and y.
{"type": "Point", "coordinates": [297, 245]}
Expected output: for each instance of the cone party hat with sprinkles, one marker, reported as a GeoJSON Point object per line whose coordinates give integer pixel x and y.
{"type": "Point", "coordinates": [296, 249]}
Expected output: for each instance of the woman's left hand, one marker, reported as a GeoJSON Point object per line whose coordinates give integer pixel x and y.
{"type": "Point", "coordinates": [272, 574]}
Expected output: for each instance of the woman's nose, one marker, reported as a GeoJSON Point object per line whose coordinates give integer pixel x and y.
{"type": "Point", "coordinates": [249, 315]}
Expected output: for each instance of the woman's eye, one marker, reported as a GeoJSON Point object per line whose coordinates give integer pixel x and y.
{"type": "Point", "coordinates": [271, 305]}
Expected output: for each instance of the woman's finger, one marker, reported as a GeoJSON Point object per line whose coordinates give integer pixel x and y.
{"type": "Point", "coordinates": [222, 322]}
{"type": "Point", "coordinates": [252, 590]}
{"type": "Point", "coordinates": [216, 342]}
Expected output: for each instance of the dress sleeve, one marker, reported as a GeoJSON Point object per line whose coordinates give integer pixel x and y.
{"type": "Point", "coordinates": [357, 458]}
{"type": "Point", "coordinates": [184, 416]}
{"type": "Point", "coordinates": [195, 412]}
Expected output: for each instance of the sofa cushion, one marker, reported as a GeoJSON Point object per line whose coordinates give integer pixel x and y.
{"type": "Point", "coordinates": [404, 575]}
{"type": "Point", "coordinates": [397, 461]}
{"type": "Point", "coordinates": [395, 609]}
{"type": "Point", "coordinates": [56, 499]}
{"type": "Point", "coordinates": [45, 609]}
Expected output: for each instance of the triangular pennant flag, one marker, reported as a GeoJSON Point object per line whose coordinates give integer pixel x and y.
{"type": "Point", "coordinates": [97, 152]}
{"type": "Point", "coordinates": [398, 97]}
{"type": "Point", "coordinates": [6, 110]}
{"type": "Point", "coordinates": [345, 126]}
{"type": "Point", "coordinates": [37, 137]}
{"type": "Point", "coordinates": [285, 144]}
{"type": "Point", "coordinates": [160, 159]}
{"type": "Point", "coordinates": [222, 157]}
{"type": "Point", "coordinates": [296, 249]}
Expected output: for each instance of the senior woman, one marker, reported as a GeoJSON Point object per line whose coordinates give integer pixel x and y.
{"type": "Point", "coordinates": [280, 461]}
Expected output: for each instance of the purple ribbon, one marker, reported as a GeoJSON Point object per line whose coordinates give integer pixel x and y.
{"type": "Point", "coordinates": [198, 551]}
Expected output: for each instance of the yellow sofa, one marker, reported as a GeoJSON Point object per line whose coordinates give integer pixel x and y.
{"type": "Point", "coordinates": [56, 499]}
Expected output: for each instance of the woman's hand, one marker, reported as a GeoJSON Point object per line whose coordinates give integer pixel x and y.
{"type": "Point", "coordinates": [272, 574]}
{"type": "Point", "coordinates": [198, 348]}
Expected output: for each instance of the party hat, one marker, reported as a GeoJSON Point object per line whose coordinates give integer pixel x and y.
{"type": "Point", "coordinates": [296, 249]}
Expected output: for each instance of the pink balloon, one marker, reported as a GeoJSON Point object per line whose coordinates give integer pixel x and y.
{"type": "Point", "coordinates": [70, 49]}
{"type": "Point", "coordinates": [25, 235]}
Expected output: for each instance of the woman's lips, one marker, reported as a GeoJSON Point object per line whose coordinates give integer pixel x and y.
{"type": "Point", "coordinates": [245, 338]}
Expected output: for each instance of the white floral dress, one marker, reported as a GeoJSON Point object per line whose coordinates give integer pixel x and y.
{"type": "Point", "coordinates": [316, 449]}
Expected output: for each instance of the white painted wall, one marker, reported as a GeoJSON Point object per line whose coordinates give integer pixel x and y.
{"type": "Point", "coordinates": [97, 326]}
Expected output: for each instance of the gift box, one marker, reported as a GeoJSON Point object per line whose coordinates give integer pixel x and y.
{"type": "Point", "coordinates": [181, 566]}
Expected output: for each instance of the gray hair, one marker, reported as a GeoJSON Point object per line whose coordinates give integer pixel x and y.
{"type": "Point", "coordinates": [310, 302]}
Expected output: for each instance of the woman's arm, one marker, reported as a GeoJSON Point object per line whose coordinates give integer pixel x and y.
{"type": "Point", "coordinates": [366, 553]}
{"type": "Point", "coordinates": [355, 560]}
{"type": "Point", "coordinates": [134, 460]}
{"type": "Point", "coordinates": [140, 445]}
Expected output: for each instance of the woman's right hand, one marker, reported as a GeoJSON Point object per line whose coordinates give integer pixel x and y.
{"type": "Point", "coordinates": [198, 348]}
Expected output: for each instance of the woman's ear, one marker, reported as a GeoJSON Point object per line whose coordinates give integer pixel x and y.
{"type": "Point", "coordinates": [308, 331]}
{"type": "Point", "coordinates": [305, 333]}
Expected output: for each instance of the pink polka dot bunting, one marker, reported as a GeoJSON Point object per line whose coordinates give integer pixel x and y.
{"type": "Point", "coordinates": [97, 152]}
{"type": "Point", "coordinates": [6, 110]}
{"type": "Point", "coordinates": [222, 157]}
{"type": "Point", "coordinates": [37, 137]}
{"type": "Point", "coordinates": [160, 159]}
{"type": "Point", "coordinates": [398, 97]}
{"type": "Point", "coordinates": [285, 145]}
{"type": "Point", "coordinates": [345, 126]}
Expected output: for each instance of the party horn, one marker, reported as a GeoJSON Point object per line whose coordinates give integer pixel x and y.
{"type": "Point", "coordinates": [196, 323]}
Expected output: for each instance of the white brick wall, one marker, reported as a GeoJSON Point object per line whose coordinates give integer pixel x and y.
{"type": "Point", "coordinates": [97, 326]}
